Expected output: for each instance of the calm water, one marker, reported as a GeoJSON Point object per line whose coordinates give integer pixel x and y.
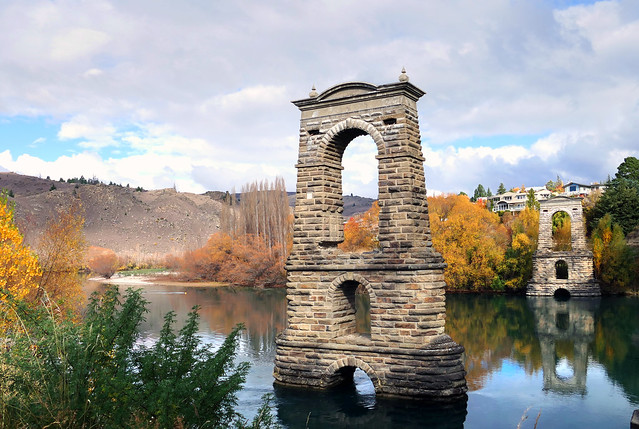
{"type": "Point", "coordinates": [576, 362]}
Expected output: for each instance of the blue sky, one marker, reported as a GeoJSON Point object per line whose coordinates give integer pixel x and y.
{"type": "Point", "coordinates": [197, 94]}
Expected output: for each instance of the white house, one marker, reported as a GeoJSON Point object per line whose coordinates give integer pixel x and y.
{"type": "Point", "coordinates": [581, 190]}
{"type": "Point", "coordinates": [516, 201]}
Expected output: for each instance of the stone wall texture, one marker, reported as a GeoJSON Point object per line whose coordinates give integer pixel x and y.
{"type": "Point", "coordinates": [580, 279]}
{"type": "Point", "coordinates": [406, 353]}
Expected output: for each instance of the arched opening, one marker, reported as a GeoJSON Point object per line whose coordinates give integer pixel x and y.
{"type": "Point", "coordinates": [561, 236]}
{"type": "Point", "coordinates": [561, 270]}
{"type": "Point", "coordinates": [356, 389]}
{"type": "Point", "coordinates": [561, 294]}
{"type": "Point", "coordinates": [351, 309]}
{"type": "Point", "coordinates": [564, 359]}
{"type": "Point", "coordinates": [360, 192]}
{"type": "Point", "coordinates": [360, 173]}
{"type": "Point", "coordinates": [564, 370]}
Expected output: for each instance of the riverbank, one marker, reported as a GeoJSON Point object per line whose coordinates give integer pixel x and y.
{"type": "Point", "coordinates": [163, 278]}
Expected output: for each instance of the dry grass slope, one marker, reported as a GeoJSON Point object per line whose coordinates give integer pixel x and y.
{"type": "Point", "coordinates": [143, 224]}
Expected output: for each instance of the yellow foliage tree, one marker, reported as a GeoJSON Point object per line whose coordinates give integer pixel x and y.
{"type": "Point", "coordinates": [614, 262]}
{"type": "Point", "coordinates": [61, 250]}
{"type": "Point", "coordinates": [471, 239]}
{"type": "Point", "coordinates": [19, 268]}
{"type": "Point", "coordinates": [516, 269]}
{"type": "Point", "coordinates": [561, 232]}
{"type": "Point", "coordinates": [361, 232]}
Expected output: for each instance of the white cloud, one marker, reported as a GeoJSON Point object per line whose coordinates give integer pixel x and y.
{"type": "Point", "coordinates": [74, 43]}
{"type": "Point", "coordinates": [198, 94]}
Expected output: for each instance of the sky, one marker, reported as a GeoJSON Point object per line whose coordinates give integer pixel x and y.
{"type": "Point", "coordinates": [197, 94]}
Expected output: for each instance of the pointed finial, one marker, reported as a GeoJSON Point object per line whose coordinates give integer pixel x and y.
{"type": "Point", "coordinates": [313, 92]}
{"type": "Point", "coordinates": [403, 77]}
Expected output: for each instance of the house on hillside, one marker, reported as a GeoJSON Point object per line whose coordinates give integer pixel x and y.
{"type": "Point", "coordinates": [574, 189]}
{"type": "Point", "coordinates": [516, 201]}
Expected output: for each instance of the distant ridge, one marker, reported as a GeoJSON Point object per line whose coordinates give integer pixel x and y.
{"type": "Point", "coordinates": [129, 221]}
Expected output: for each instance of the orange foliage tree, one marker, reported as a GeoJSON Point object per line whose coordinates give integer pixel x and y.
{"type": "Point", "coordinates": [19, 268]}
{"type": "Point", "coordinates": [561, 238]}
{"type": "Point", "coordinates": [615, 264]}
{"type": "Point", "coordinates": [102, 261]}
{"type": "Point", "coordinates": [471, 239]}
{"type": "Point", "coordinates": [263, 211]}
{"type": "Point", "coordinates": [361, 232]}
{"type": "Point", "coordinates": [245, 261]}
{"type": "Point", "coordinates": [61, 251]}
{"type": "Point", "coordinates": [516, 268]}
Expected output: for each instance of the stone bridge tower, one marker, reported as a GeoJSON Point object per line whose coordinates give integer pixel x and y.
{"type": "Point", "coordinates": [406, 353]}
{"type": "Point", "coordinates": [570, 270]}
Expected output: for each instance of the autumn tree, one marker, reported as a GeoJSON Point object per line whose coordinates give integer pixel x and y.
{"type": "Point", "coordinates": [614, 262]}
{"type": "Point", "coordinates": [247, 261]}
{"type": "Point", "coordinates": [19, 268]}
{"type": "Point", "coordinates": [262, 211]}
{"type": "Point", "coordinates": [61, 251]}
{"type": "Point", "coordinates": [516, 269]}
{"type": "Point", "coordinates": [556, 186]}
{"type": "Point", "coordinates": [102, 261]}
{"type": "Point", "coordinates": [561, 232]}
{"type": "Point", "coordinates": [471, 239]}
{"type": "Point", "coordinates": [361, 232]}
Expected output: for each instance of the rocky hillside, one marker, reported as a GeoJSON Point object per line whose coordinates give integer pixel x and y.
{"type": "Point", "coordinates": [141, 224]}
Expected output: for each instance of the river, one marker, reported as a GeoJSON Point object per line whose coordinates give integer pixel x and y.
{"type": "Point", "coordinates": [573, 363]}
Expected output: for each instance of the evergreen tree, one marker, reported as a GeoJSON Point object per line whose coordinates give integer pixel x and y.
{"type": "Point", "coordinates": [531, 200]}
{"type": "Point", "coordinates": [489, 193]}
{"type": "Point", "coordinates": [501, 189]}
{"type": "Point", "coordinates": [480, 192]}
{"type": "Point", "coordinates": [621, 198]}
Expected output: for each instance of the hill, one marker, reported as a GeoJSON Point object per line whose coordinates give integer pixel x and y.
{"type": "Point", "coordinates": [353, 204]}
{"type": "Point", "coordinates": [142, 224]}
{"type": "Point", "coordinates": [135, 223]}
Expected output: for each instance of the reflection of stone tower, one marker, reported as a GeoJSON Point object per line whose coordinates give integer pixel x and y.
{"type": "Point", "coordinates": [571, 321]}
{"type": "Point", "coordinates": [569, 270]}
{"type": "Point", "coordinates": [407, 353]}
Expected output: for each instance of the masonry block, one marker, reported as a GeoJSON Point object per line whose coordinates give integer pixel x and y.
{"type": "Point", "coordinates": [404, 280]}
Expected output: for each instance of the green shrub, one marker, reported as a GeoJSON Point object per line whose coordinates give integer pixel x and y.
{"type": "Point", "coordinates": [94, 374]}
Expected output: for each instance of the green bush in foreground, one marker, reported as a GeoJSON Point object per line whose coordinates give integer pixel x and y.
{"type": "Point", "coordinates": [94, 374]}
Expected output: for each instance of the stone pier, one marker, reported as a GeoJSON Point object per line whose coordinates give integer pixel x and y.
{"type": "Point", "coordinates": [570, 270]}
{"type": "Point", "coordinates": [406, 353]}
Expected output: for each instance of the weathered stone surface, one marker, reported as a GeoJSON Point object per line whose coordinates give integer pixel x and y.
{"type": "Point", "coordinates": [581, 279]}
{"type": "Point", "coordinates": [634, 421]}
{"type": "Point", "coordinates": [406, 353]}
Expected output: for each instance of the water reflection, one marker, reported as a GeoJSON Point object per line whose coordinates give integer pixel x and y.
{"type": "Point", "coordinates": [347, 407]}
{"type": "Point", "coordinates": [543, 334]}
{"type": "Point", "coordinates": [565, 329]}
{"type": "Point", "coordinates": [492, 329]}
{"type": "Point", "coordinates": [582, 354]}
{"type": "Point", "coordinates": [262, 311]}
